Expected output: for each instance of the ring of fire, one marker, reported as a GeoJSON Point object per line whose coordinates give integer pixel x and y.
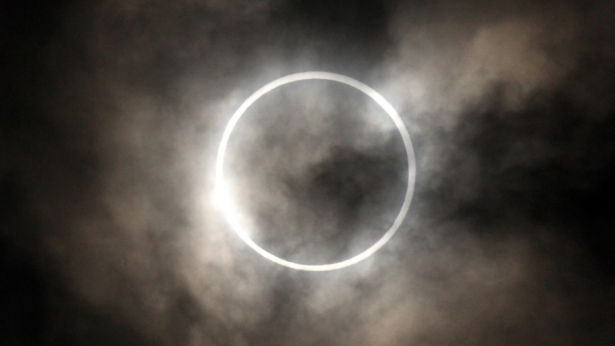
{"type": "Point", "coordinates": [224, 201]}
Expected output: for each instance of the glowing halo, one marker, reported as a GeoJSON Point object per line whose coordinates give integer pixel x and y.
{"type": "Point", "coordinates": [222, 194]}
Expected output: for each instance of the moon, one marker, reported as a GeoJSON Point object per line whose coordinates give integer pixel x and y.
{"type": "Point", "coordinates": [227, 207]}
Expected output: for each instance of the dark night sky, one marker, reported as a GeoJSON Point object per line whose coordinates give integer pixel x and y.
{"type": "Point", "coordinates": [111, 115]}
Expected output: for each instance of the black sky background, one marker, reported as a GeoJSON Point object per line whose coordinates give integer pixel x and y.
{"type": "Point", "coordinates": [112, 110]}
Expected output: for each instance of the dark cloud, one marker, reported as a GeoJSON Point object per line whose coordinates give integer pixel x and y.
{"type": "Point", "coordinates": [111, 116]}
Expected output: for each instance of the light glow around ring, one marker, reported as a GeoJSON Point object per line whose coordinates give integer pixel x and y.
{"type": "Point", "coordinates": [224, 201]}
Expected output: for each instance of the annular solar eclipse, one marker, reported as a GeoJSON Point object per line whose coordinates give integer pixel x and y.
{"type": "Point", "coordinates": [226, 204]}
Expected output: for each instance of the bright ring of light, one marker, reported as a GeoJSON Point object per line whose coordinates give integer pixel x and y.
{"type": "Point", "coordinates": [222, 191]}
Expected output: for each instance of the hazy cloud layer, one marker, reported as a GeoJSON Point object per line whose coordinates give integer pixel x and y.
{"type": "Point", "coordinates": [114, 111]}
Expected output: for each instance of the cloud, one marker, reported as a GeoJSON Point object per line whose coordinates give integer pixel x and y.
{"type": "Point", "coordinates": [109, 164]}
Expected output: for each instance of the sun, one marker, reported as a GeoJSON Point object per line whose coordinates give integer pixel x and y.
{"type": "Point", "coordinates": [226, 205]}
